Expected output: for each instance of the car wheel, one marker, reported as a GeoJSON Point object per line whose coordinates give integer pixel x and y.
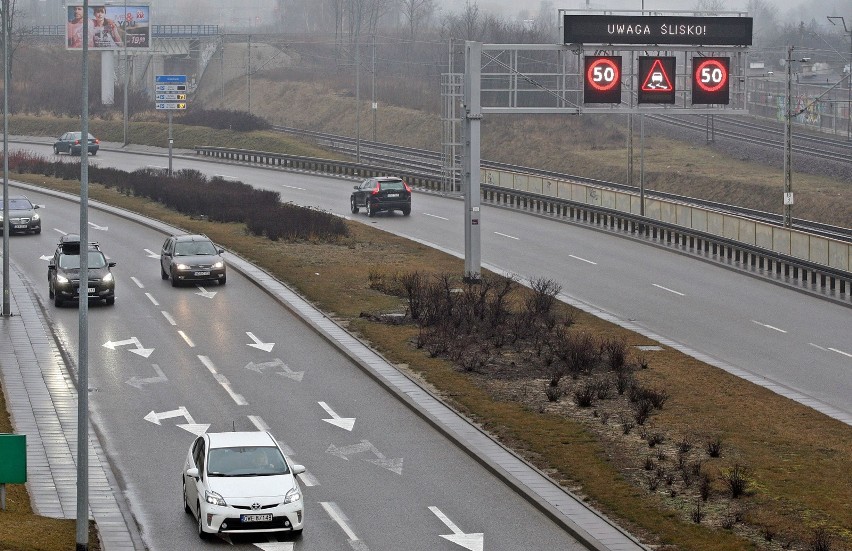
{"type": "Point", "coordinates": [57, 300]}
{"type": "Point", "coordinates": [297, 534]}
{"type": "Point", "coordinates": [201, 533]}
{"type": "Point", "coordinates": [406, 211]}
{"type": "Point", "coordinates": [110, 301]}
{"type": "Point", "coordinates": [163, 274]}
{"type": "Point", "coordinates": [185, 503]}
{"type": "Point", "coordinates": [223, 280]}
{"type": "Point", "coordinates": [174, 280]}
{"type": "Point", "coordinates": [93, 153]}
{"type": "Point", "coordinates": [37, 231]}
{"type": "Point", "coordinates": [50, 290]}
{"type": "Point", "coordinates": [353, 206]}
{"type": "Point", "coordinates": [370, 212]}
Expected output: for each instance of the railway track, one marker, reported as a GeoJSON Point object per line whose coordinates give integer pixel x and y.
{"type": "Point", "coordinates": [429, 162]}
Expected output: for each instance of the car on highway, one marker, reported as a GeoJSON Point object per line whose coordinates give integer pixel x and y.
{"type": "Point", "coordinates": [63, 272]}
{"type": "Point", "coordinates": [383, 193]}
{"type": "Point", "coordinates": [192, 258]}
{"type": "Point", "coordinates": [241, 482]}
{"type": "Point", "coordinates": [23, 217]}
{"type": "Point", "coordinates": [70, 143]}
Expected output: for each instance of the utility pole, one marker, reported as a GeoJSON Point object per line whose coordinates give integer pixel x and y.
{"type": "Point", "coordinates": [248, 74]}
{"type": "Point", "coordinates": [375, 105]}
{"type": "Point", "coordinates": [6, 288]}
{"type": "Point", "coordinates": [358, 91]}
{"type": "Point", "coordinates": [788, 144]}
{"type": "Point", "coordinates": [126, 73]}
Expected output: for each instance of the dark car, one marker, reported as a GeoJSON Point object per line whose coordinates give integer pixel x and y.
{"type": "Point", "coordinates": [382, 193]}
{"type": "Point", "coordinates": [22, 215]}
{"type": "Point", "coordinates": [63, 272]}
{"type": "Point", "coordinates": [70, 143]}
{"type": "Point", "coordinates": [191, 258]}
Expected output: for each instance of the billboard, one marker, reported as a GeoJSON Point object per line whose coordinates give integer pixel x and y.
{"type": "Point", "coordinates": [111, 26]}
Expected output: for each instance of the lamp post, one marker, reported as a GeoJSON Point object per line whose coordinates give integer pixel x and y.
{"type": "Point", "coordinates": [831, 19]}
{"type": "Point", "coordinates": [788, 141]}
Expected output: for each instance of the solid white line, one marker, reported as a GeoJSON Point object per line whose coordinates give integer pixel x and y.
{"type": "Point", "coordinates": [168, 317]}
{"type": "Point", "coordinates": [137, 282]}
{"type": "Point", "coordinates": [769, 326]}
{"type": "Point", "coordinates": [841, 352]}
{"type": "Point", "coordinates": [667, 289]}
{"type": "Point", "coordinates": [293, 187]}
{"type": "Point", "coordinates": [434, 216]}
{"type": "Point", "coordinates": [818, 346]}
{"type": "Point", "coordinates": [187, 339]}
{"type": "Point", "coordinates": [509, 236]}
{"type": "Point", "coordinates": [331, 509]}
{"type": "Point", "coordinates": [583, 259]}
{"type": "Point", "coordinates": [152, 299]}
{"type": "Point", "coordinates": [222, 380]}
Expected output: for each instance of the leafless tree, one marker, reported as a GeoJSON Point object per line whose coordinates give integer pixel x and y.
{"type": "Point", "coordinates": [711, 7]}
{"type": "Point", "coordinates": [416, 13]}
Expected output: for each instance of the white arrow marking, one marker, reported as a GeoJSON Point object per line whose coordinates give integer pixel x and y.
{"type": "Point", "coordinates": [265, 346]}
{"type": "Point", "coordinates": [95, 226]}
{"type": "Point", "coordinates": [204, 293]}
{"type": "Point", "coordinates": [338, 421]}
{"type": "Point", "coordinates": [474, 542]}
{"type": "Point", "coordinates": [194, 428]}
{"type": "Point", "coordinates": [139, 382]}
{"type": "Point", "coordinates": [394, 465]}
{"type": "Point", "coordinates": [152, 254]}
{"type": "Point", "coordinates": [155, 417]}
{"type": "Point", "coordinates": [287, 372]}
{"type": "Point", "coordinates": [144, 352]}
{"type": "Point", "coordinates": [45, 257]}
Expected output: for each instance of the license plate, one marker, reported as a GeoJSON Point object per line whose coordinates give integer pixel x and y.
{"type": "Point", "coordinates": [201, 273]}
{"type": "Point", "coordinates": [393, 195]}
{"type": "Point", "coordinates": [256, 518]}
{"type": "Point", "coordinates": [19, 226]}
{"type": "Point", "coordinates": [91, 290]}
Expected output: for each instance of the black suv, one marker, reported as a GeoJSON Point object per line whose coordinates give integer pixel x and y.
{"type": "Point", "coordinates": [381, 193]}
{"type": "Point", "coordinates": [63, 272]}
{"type": "Point", "coordinates": [191, 258]}
{"type": "Point", "coordinates": [22, 215]}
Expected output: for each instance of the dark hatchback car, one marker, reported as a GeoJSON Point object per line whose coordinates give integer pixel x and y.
{"type": "Point", "coordinates": [384, 193]}
{"type": "Point", "coordinates": [22, 215]}
{"type": "Point", "coordinates": [63, 273]}
{"type": "Point", "coordinates": [191, 258]}
{"type": "Point", "coordinates": [70, 143]}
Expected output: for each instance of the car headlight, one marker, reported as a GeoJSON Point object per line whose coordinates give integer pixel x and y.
{"type": "Point", "coordinates": [61, 279]}
{"type": "Point", "coordinates": [182, 267]}
{"type": "Point", "coordinates": [36, 216]}
{"type": "Point", "coordinates": [214, 499]}
{"type": "Point", "coordinates": [293, 495]}
{"type": "Point", "coordinates": [108, 277]}
{"type": "Point", "coordinates": [219, 265]}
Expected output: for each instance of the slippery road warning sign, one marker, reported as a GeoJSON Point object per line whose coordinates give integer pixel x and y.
{"type": "Point", "coordinates": [656, 79]}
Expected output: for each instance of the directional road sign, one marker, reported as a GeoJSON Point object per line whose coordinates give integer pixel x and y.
{"type": "Point", "coordinates": [170, 91]}
{"type": "Point", "coordinates": [169, 105]}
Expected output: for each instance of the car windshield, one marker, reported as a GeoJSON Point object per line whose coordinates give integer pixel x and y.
{"type": "Point", "coordinates": [76, 136]}
{"type": "Point", "coordinates": [19, 204]}
{"type": "Point", "coordinates": [190, 248]}
{"type": "Point", "coordinates": [72, 261]}
{"type": "Point", "coordinates": [246, 461]}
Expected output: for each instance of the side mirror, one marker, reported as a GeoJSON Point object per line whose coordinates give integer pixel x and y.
{"type": "Point", "coordinates": [36, 206]}
{"type": "Point", "coordinates": [112, 264]}
{"type": "Point", "coordinates": [221, 251]}
{"type": "Point", "coordinates": [298, 469]}
{"type": "Point", "coordinates": [355, 187]}
{"type": "Point", "coordinates": [193, 472]}
{"type": "Point", "coordinates": [51, 266]}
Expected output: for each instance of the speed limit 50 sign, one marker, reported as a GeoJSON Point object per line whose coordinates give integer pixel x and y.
{"type": "Point", "coordinates": [710, 80]}
{"type": "Point", "coordinates": [602, 80]}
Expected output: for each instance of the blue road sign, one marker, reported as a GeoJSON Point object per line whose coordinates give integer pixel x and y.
{"type": "Point", "coordinates": [171, 79]}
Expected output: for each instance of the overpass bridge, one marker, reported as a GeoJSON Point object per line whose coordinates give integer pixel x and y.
{"type": "Point", "coordinates": [175, 50]}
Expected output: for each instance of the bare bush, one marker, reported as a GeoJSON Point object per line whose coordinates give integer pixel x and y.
{"type": "Point", "coordinates": [553, 392]}
{"type": "Point", "coordinates": [705, 486]}
{"type": "Point", "coordinates": [615, 352]}
{"type": "Point", "coordinates": [736, 479]}
{"type": "Point", "coordinates": [543, 296]}
{"type": "Point", "coordinates": [697, 514]}
{"type": "Point", "coordinates": [820, 540]}
{"type": "Point", "coordinates": [641, 411]}
{"type": "Point", "coordinates": [714, 447]}
{"type": "Point", "coordinates": [585, 395]}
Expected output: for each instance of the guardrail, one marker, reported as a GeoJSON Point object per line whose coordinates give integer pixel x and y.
{"type": "Point", "coordinates": [812, 263]}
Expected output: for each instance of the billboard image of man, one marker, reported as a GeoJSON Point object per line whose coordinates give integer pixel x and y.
{"type": "Point", "coordinates": [74, 30]}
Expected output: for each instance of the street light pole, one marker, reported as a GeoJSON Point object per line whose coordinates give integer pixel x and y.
{"type": "Point", "coordinates": [6, 288]}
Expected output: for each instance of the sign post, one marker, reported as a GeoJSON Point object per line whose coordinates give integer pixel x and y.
{"type": "Point", "coordinates": [170, 95]}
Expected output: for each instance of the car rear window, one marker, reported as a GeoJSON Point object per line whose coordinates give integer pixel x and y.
{"type": "Point", "coordinates": [19, 204]}
{"type": "Point", "coordinates": [393, 184]}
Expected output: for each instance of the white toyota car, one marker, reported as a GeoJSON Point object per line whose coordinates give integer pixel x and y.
{"type": "Point", "coordinates": [241, 482]}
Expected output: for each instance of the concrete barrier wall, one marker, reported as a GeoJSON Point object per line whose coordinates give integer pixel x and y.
{"type": "Point", "coordinates": [819, 250]}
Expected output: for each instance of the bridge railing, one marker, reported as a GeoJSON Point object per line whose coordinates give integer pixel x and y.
{"type": "Point", "coordinates": [813, 263]}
